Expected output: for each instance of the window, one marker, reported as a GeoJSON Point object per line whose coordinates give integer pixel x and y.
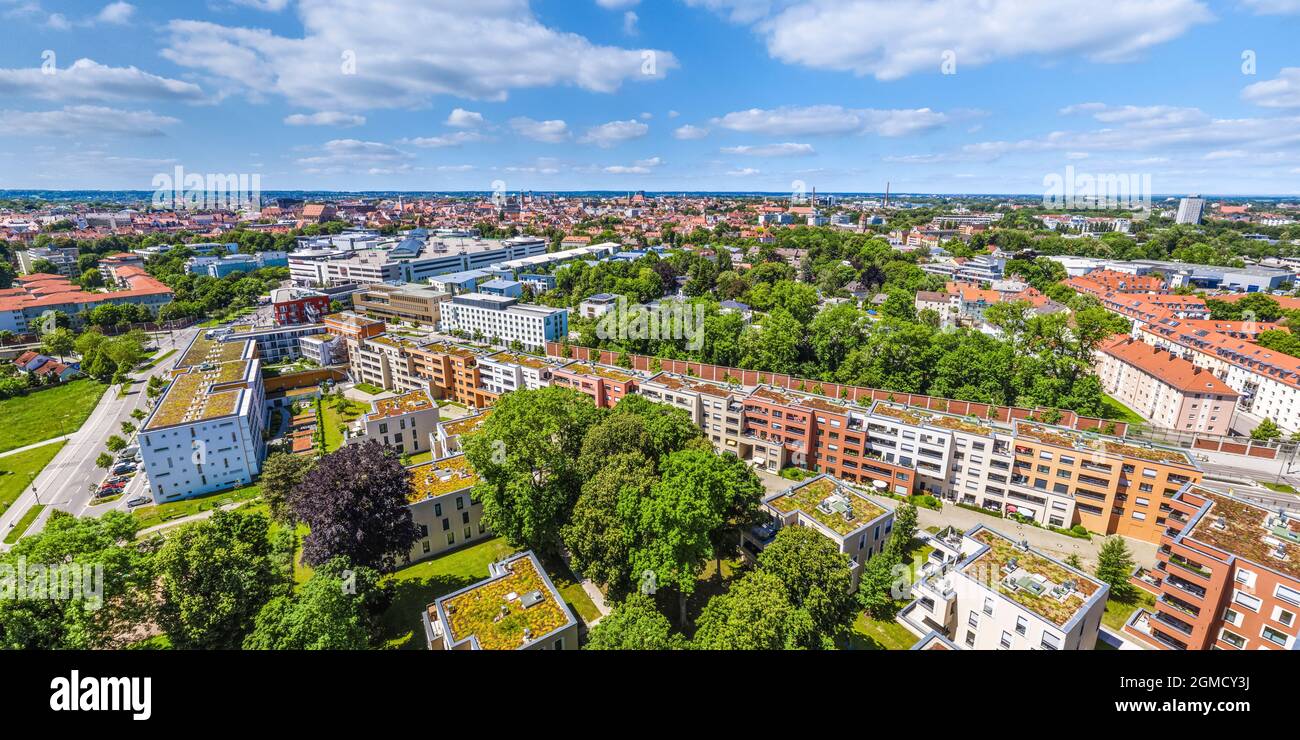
{"type": "Point", "coordinates": [1289, 595]}
{"type": "Point", "coordinates": [1246, 578]}
{"type": "Point", "coordinates": [988, 605]}
{"type": "Point", "coordinates": [973, 620]}
{"type": "Point", "coordinates": [1022, 625]}
{"type": "Point", "coordinates": [1283, 617]}
{"type": "Point", "coordinates": [1051, 641]}
{"type": "Point", "coordinates": [970, 638]}
{"type": "Point", "coordinates": [1274, 636]}
{"type": "Point", "coordinates": [1233, 639]}
{"type": "Point", "coordinates": [1232, 617]}
{"type": "Point", "coordinates": [1244, 599]}
{"type": "Point", "coordinates": [1006, 640]}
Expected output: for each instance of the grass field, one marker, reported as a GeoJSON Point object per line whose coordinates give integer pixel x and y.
{"type": "Point", "coordinates": [875, 634]}
{"type": "Point", "coordinates": [17, 471]}
{"type": "Point", "coordinates": [421, 584]}
{"type": "Point", "coordinates": [1117, 613]}
{"type": "Point", "coordinates": [16, 533]}
{"type": "Point", "coordinates": [336, 412]}
{"type": "Point", "coordinates": [152, 516]}
{"type": "Point", "coordinates": [1119, 412]}
{"type": "Point", "coordinates": [373, 390]}
{"type": "Point", "coordinates": [49, 413]}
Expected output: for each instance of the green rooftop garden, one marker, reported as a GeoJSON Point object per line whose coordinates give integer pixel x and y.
{"type": "Point", "coordinates": [500, 623]}
{"type": "Point", "coordinates": [808, 498]}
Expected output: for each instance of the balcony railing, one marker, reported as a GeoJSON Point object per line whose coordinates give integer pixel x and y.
{"type": "Point", "coordinates": [1187, 565]}
{"type": "Point", "coordinates": [1172, 622]}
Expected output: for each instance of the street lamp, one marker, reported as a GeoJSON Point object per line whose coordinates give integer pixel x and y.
{"type": "Point", "coordinates": [36, 494]}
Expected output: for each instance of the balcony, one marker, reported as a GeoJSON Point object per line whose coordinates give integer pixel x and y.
{"type": "Point", "coordinates": [1187, 587]}
{"type": "Point", "coordinates": [1194, 568]}
{"type": "Point", "coordinates": [1179, 605]}
{"type": "Point", "coordinates": [1166, 620]}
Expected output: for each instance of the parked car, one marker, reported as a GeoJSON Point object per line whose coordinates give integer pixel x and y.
{"type": "Point", "coordinates": [137, 501]}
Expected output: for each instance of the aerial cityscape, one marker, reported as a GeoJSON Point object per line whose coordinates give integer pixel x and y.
{"type": "Point", "coordinates": [610, 325]}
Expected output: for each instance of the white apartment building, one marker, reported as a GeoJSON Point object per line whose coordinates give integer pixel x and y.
{"type": "Point", "coordinates": [505, 320]}
{"type": "Point", "coordinates": [515, 608]}
{"type": "Point", "coordinates": [414, 259]}
{"type": "Point", "coordinates": [322, 349]}
{"type": "Point", "coordinates": [205, 434]}
{"type": "Point", "coordinates": [386, 361]}
{"type": "Point", "coordinates": [504, 372]}
{"type": "Point", "coordinates": [717, 409]}
{"type": "Point", "coordinates": [985, 591]}
{"type": "Point", "coordinates": [858, 526]}
{"type": "Point", "coordinates": [965, 460]}
{"type": "Point", "coordinates": [443, 507]}
{"type": "Point", "coordinates": [405, 423]}
{"type": "Point", "coordinates": [447, 437]}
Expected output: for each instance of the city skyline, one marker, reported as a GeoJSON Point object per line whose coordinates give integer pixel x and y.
{"type": "Point", "coordinates": [619, 95]}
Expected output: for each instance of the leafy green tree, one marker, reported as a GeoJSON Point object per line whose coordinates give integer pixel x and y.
{"type": "Point", "coordinates": [1267, 430]}
{"type": "Point", "coordinates": [115, 444]}
{"type": "Point", "coordinates": [281, 473]}
{"type": "Point", "coordinates": [60, 343]}
{"type": "Point", "coordinates": [754, 614]}
{"type": "Point", "coordinates": [105, 544]}
{"type": "Point", "coordinates": [526, 455]}
{"type": "Point", "coordinates": [678, 519]}
{"type": "Point", "coordinates": [635, 624]}
{"type": "Point", "coordinates": [1114, 566]}
{"type": "Point", "coordinates": [605, 525]}
{"type": "Point", "coordinates": [817, 581]}
{"type": "Point", "coordinates": [905, 526]}
{"type": "Point", "coordinates": [334, 610]}
{"type": "Point", "coordinates": [128, 428]}
{"type": "Point", "coordinates": [876, 584]}
{"type": "Point", "coordinates": [104, 461]}
{"type": "Point", "coordinates": [215, 575]}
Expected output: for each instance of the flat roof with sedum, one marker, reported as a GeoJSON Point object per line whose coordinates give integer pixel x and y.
{"type": "Point", "coordinates": [829, 503]}
{"type": "Point", "coordinates": [514, 608]}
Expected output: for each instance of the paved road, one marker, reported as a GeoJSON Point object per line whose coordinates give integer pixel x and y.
{"type": "Point", "coordinates": [65, 483]}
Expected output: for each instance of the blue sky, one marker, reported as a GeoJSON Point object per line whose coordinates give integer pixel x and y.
{"type": "Point", "coordinates": [842, 95]}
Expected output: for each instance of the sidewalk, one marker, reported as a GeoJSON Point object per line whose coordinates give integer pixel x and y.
{"type": "Point", "coordinates": [34, 445]}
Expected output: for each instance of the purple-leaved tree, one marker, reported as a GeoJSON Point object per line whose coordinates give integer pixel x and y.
{"type": "Point", "coordinates": [355, 502]}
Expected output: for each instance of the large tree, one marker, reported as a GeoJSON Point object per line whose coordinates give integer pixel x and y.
{"type": "Point", "coordinates": [605, 525]}
{"type": "Point", "coordinates": [635, 624]}
{"type": "Point", "coordinates": [355, 501]}
{"type": "Point", "coordinates": [680, 518]}
{"type": "Point", "coordinates": [526, 455]}
{"type": "Point", "coordinates": [215, 576]}
{"type": "Point", "coordinates": [334, 610]}
{"type": "Point", "coordinates": [101, 547]}
{"type": "Point", "coordinates": [817, 581]}
{"type": "Point", "coordinates": [755, 614]}
{"type": "Point", "coordinates": [281, 473]}
{"type": "Point", "coordinates": [1114, 566]}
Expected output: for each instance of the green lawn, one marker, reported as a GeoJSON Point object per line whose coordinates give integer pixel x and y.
{"type": "Point", "coordinates": [373, 390]}
{"type": "Point", "coordinates": [1279, 487]}
{"type": "Point", "coordinates": [1117, 613]}
{"type": "Point", "coordinates": [152, 516]}
{"type": "Point", "coordinates": [875, 634]}
{"type": "Point", "coordinates": [336, 412]}
{"type": "Point", "coordinates": [49, 413]}
{"type": "Point", "coordinates": [1119, 412]}
{"type": "Point", "coordinates": [419, 585]}
{"type": "Point", "coordinates": [17, 532]}
{"type": "Point", "coordinates": [17, 471]}
{"type": "Point", "coordinates": [157, 360]}
{"type": "Point", "coordinates": [421, 458]}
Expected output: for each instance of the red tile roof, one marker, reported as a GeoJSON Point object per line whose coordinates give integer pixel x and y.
{"type": "Point", "coordinates": [1169, 369]}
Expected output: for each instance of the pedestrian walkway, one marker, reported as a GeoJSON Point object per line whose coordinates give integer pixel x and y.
{"type": "Point", "coordinates": [34, 445]}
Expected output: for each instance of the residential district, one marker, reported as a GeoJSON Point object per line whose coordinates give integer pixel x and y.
{"type": "Point", "coordinates": [865, 422]}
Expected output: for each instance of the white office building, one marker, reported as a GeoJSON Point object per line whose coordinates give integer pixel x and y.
{"type": "Point", "coordinates": [505, 320]}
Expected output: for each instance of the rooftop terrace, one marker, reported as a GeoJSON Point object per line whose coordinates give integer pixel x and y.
{"type": "Point", "coordinates": [197, 395]}
{"type": "Point", "coordinates": [506, 612]}
{"type": "Point", "coordinates": [836, 507]}
{"type": "Point", "coordinates": [466, 425]}
{"type": "Point", "coordinates": [1249, 532]}
{"type": "Point", "coordinates": [405, 404]}
{"type": "Point", "coordinates": [536, 363]}
{"type": "Point", "coordinates": [440, 478]}
{"type": "Point", "coordinates": [203, 349]}
{"type": "Point", "coordinates": [598, 371]}
{"type": "Point", "coordinates": [1061, 437]}
{"type": "Point", "coordinates": [1043, 586]}
{"type": "Point", "coordinates": [918, 416]}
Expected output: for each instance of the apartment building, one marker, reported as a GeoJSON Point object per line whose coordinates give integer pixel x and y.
{"type": "Point", "coordinates": [219, 266]}
{"type": "Point", "coordinates": [33, 296]}
{"type": "Point", "coordinates": [274, 345]}
{"type": "Point", "coordinates": [448, 435]}
{"type": "Point", "coordinates": [858, 526]}
{"type": "Point", "coordinates": [1119, 486]}
{"type": "Point", "coordinates": [443, 506]}
{"type": "Point", "coordinates": [405, 423]}
{"type": "Point", "coordinates": [605, 385]}
{"type": "Point", "coordinates": [352, 329]}
{"type": "Point", "coordinates": [387, 361]}
{"type": "Point", "coordinates": [414, 259]}
{"type": "Point", "coordinates": [1165, 389]}
{"type": "Point", "coordinates": [205, 433]}
{"type": "Point", "coordinates": [504, 372]}
{"type": "Point", "coordinates": [515, 608]}
{"type": "Point", "coordinates": [323, 349]}
{"type": "Point", "coordinates": [965, 460]}
{"type": "Point", "coordinates": [716, 408]}
{"type": "Point", "coordinates": [290, 306]}
{"type": "Point", "coordinates": [1227, 577]}
{"type": "Point", "coordinates": [64, 260]}
{"type": "Point", "coordinates": [398, 304]}
{"type": "Point", "coordinates": [503, 320]}
{"type": "Point", "coordinates": [983, 590]}
{"type": "Point", "coordinates": [453, 372]}
{"type": "Point", "coordinates": [1268, 382]}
